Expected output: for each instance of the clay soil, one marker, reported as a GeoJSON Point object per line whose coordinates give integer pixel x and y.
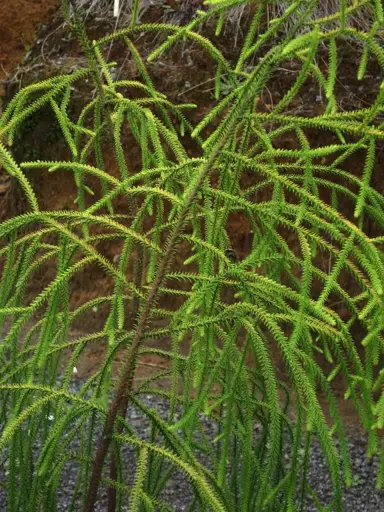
{"type": "Point", "coordinates": [19, 22]}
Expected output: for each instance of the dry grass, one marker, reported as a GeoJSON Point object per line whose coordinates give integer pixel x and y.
{"type": "Point", "coordinates": [325, 8]}
{"type": "Point", "coordinates": [101, 12]}
{"type": "Point", "coordinates": [104, 9]}
{"type": "Point", "coordinates": [237, 16]}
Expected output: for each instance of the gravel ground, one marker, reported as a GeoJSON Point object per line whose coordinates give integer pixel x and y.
{"type": "Point", "coordinates": [362, 496]}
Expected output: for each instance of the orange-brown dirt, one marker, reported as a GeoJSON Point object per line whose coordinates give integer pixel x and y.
{"type": "Point", "coordinates": [188, 79]}
{"type": "Point", "coordinates": [19, 23]}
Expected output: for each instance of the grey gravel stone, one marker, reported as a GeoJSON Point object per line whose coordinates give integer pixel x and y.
{"type": "Point", "coordinates": [360, 497]}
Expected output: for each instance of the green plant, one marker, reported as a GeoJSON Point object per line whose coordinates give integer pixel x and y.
{"type": "Point", "coordinates": [232, 312]}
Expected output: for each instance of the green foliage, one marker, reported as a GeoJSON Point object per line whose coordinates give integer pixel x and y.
{"type": "Point", "coordinates": [236, 313]}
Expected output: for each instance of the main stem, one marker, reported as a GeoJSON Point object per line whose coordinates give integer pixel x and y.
{"type": "Point", "coordinates": [112, 491]}
{"type": "Point", "coordinates": [120, 403]}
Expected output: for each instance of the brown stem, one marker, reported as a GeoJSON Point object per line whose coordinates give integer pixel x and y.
{"type": "Point", "coordinates": [112, 491]}
{"type": "Point", "coordinates": [128, 365]}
